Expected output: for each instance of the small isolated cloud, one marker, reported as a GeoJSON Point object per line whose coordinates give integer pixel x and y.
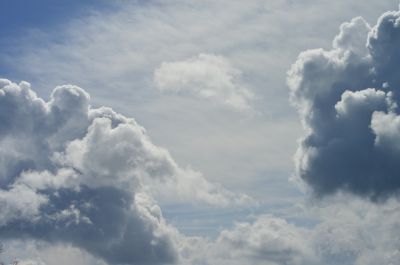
{"type": "Point", "coordinates": [77, 175]}
{"type": "Point", "coordinates": [206, 76]}
{"type": "Point", "coordinates": [348, 100]}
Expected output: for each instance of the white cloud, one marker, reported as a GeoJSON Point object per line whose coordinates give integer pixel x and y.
{"type": "Point", "coordinates": [31, 252]}
{"type": "Point", "coordinates": [342, 231]}
{"type": "Point", "coordinates": [20, 203]}
{"type": "Point", "coordinates": [268, 240]}
{"type": "Point", "coordinates": [207, 76]}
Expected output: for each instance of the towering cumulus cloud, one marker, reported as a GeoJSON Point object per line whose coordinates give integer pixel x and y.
{"type": "Point", "coordinates": [348, 99]}
{"type": "Point", "coordinates": [86, 177]}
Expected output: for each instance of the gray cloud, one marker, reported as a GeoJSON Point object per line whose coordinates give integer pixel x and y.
{"type": "Point", "coordinates": [347, 97]}
{"type": "Point", "coordinates": [106, 222]}
{"type": "Point", "coordinates": [343, 231]}
{"type": "Point", "coordinates": [72, 174]}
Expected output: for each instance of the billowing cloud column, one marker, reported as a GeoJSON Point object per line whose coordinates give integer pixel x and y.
{"type": "Point", "coordinates": [347, 98]}
{"type": "Point", "coordinates": [86, 177]}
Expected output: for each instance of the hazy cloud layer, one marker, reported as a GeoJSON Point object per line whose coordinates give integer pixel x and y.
{"type": "Point", "coordinates": [83, 176]}
{"type": "Point", "coordinates": [347, 98]}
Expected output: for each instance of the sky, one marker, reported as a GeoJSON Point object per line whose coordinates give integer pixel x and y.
{"type": "Point", "coordinates": [199, 132]}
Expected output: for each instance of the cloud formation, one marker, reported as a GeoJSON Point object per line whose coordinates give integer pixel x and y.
{"type": "Point", "coordinates": [73, 174]}
{"type": "Point", "coordinates": [135, 38]}
{"type": "Point", "coordinates": [345, 231]}
{"type": "Point", "coordinates": [206, 76]}
{"type": "Point", "coordinates": [348, 102]}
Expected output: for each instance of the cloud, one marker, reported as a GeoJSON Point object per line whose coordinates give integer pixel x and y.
{"type": "Point", "coordinates": [135, 38]}
{"type": "Point", "coordinates": [341, 231]}
{"type": "Point", "coordinates": [83, 177]}
{"type": "Point", "coordinates": [73, 174]}
{"type": "Point", "coordinates": [268, 240]}
{"type": "Point", "coordinates": [43, 253]}
{"type": "Point", "coordinates": [206, 76]}
{"type": "Point", "coordinates": [347, 99]}
{"type": "Point", "coordinates": [344, 231]}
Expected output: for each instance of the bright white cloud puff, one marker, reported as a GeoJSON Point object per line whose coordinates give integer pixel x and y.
{"type": "Point", "coordinates": [205, 76]}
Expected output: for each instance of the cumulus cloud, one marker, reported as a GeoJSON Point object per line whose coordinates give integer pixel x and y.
{"type": "Point", "coordinates": [27, 251]}
{"type": "Point", "coordinates": [206, 76]}
{"type": "Point", "coordinates": [343, 232]}
{"type": "Point", "coordinates": [347, 98]}
{"type": "Point", "coordinates": [268, 240]}
{"type": "Point", "coordinates": [31, 262]}
{"type": "Point", "coordinates": [73, 174]}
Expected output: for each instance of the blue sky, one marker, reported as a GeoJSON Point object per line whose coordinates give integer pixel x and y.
{"type": "Point", "coordinates": [21, 15]}
{"type": "Point", "coordinates": [219, 143]}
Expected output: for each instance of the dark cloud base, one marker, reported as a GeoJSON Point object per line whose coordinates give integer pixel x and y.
{"type": "Point", "coordinates": [115, 232]}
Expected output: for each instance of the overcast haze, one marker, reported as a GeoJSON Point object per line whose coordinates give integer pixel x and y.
{"type": "Point", "coordinates": [200, 132]}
